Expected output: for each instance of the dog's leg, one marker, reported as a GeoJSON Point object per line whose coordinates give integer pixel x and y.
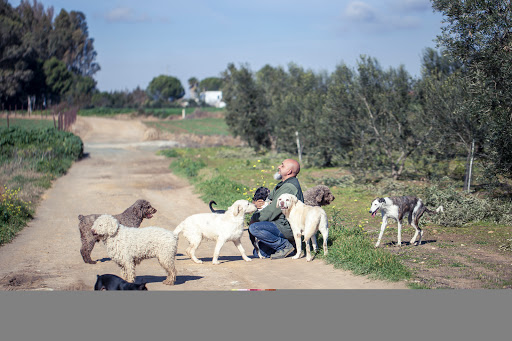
{"type": "Point", "coordinates": [169, 267]}
{"type": "Point", "coordinates": [130, 271]}
{"type": "Point", "coordinates": [298, 244]}
{"type": "Point", "coordinates": [415, 224]}
{"type": "Point", "coordinates": [399, 223]}
{"type": "Point", "coordinates": [324, 230]}
{"type": "Point", "coordinates": [382, 228]}
{"type": "Point", "coordinates": [307, 238]}
{"type": "Point", "coordinates": [88, 242]}
{"type": "Point", "coordinates": [216, 252]}
{"type": "Point", "coordinates": [195, 241]}
{"type": "Point", "coordinates": [192, 253]}
{"type": "Point", "coordinates": [314, 242]}
{"type": "Point", "coordinates": [124, 273]}
{"type": "Point", "coordinates": [238, 244]}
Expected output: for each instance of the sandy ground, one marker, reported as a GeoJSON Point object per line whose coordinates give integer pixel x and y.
{"type": "Point", "coordinates": [120, 168]}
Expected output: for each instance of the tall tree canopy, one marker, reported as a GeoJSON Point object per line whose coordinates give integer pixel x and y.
{"type": "Point", "coordinates": [478, 34]}
{"type": "Point", "coordinates": [165, 89]}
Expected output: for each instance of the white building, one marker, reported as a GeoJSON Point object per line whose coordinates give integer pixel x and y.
{"type": "Point", "coordinates": [213, 98]}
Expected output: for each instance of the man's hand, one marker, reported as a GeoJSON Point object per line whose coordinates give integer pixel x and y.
{"type": "Point", "coordinates": [259, 203]}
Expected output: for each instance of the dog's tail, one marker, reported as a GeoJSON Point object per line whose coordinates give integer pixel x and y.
{"type": "Point", "coordinates": [438, 210]}
{"type": "Point", "coordinates": [178, 229]}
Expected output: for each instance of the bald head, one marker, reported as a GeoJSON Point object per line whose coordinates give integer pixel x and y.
{"type": "Point", "coordinates": [288, 168]}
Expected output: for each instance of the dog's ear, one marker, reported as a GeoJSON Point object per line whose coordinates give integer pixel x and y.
{"type": "Point", "coordinates": [112, 225]}
{"type": "Point", "coordinates": [237, 209]}
{"type": "Point", "coordinates": [382, 200]}
{"type": "Point", "coordinates": [140, 211]}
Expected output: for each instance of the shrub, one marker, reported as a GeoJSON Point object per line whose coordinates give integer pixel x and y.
{"type": "Point", "coordinates": [221, 189]}
{"type": "Point", "coordinates": [14, 213]}
{"type": "Point", "coordinates": [187, 167]}
{"type": "Point", "coordinates": [462, 208]}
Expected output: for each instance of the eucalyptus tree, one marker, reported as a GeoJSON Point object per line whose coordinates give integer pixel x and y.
{"type": "Point", "coordinates": [14, 57]}
{"type": "Point", "coordinates": [69, 41]}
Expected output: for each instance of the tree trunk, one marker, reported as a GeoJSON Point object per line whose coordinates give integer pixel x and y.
{"type": "Point", "coordinates": [29, 105]}
{"type": "Point", "coordinates": [469, 167]}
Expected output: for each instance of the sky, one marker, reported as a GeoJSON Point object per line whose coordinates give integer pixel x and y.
{"type": "Point", "coordinates": [139, 40]}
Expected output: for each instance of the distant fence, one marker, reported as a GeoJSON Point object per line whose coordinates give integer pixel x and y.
{"type": "Point", "coordinates": [63, 116]}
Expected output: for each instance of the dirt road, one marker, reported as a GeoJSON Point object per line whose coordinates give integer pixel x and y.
{"type": "Point", "coordinates": [120, 168]}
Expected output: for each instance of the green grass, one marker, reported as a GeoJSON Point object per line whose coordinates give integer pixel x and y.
{"type": "Point", "coordinates": [351, 249]}
{"type": "Point", "coordinates": [26, 123]}
{"type": "Point", "coordinates": [199, 126]}
{"type": "Point", "coordinates": [157, 112]}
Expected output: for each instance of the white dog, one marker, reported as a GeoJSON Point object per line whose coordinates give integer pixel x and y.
{"type": "Point", "coordinates": [128, 246]}
{"type": "Point", "coordinates": [304, 220]}
{"type": "Point", "coordinates": [396, 208]}
{"type": "Point", "coordinates": [220, 227]}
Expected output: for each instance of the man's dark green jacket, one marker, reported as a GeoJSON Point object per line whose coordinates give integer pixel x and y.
{"type": "Point", "coordinates": [273, 213]}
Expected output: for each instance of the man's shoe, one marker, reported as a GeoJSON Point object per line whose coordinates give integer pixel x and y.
{"type": "Point", "coordinates": [283, 252]}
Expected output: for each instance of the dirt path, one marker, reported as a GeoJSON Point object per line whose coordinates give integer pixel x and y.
{"type": "Point", "coordinates": [121, 168]}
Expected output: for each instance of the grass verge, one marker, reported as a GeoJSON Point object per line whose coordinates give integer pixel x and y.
{"type": "Point", "coordinates": [30, 158]}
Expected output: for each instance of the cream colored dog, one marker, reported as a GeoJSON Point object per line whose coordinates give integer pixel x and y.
{"type": "Point", "coordinates": [304, 220]}
{"type": "Point", "coordinates": [220, 227]}
{"type": "Point", "coordinates": [128, 246]}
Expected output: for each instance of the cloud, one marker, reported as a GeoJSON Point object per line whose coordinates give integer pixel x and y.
{"type": "Point", "coordinates": [361, 16]}
{"type": "Point", "coordinates": [412, 5]}
{"type": "Point", "coordinates": [360, 11]}
{"type": "Point", "coordinates": [125, 14]}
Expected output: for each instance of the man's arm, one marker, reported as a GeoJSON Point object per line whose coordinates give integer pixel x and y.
{"type": "Point", "coordinates": [271, 212]}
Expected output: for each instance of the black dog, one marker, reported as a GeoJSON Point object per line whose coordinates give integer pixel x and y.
{"type": "Point", "coordinates": [261, 193]}
{"type": "Point", "coordinates": [113, 282]}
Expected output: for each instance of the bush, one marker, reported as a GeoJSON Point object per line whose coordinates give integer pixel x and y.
{"type": "Point", "coordinates": [221, 189]}
{"type": "Point", "coordinates": [462, 208]}
{"type": "Point", "coordinates": [45, 150]}
{"type": "Point", "coordinates": [187, 167]}
{"type": "Point", "coordinates": [14, 213]}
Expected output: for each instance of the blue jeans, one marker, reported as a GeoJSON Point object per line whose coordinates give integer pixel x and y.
{"type": "Point", "coordinates": [270, 238]}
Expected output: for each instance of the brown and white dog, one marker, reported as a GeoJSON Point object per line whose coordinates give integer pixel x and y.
{"type": "Point", "coordinates": [396, 208]}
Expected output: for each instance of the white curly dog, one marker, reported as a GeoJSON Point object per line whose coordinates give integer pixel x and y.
{"type": "Point", "coordinates": [128, 247]}
{"type": "Point", "coordinates": [220, 227]}
{"type": "Point", "coordinates": [304, 220]}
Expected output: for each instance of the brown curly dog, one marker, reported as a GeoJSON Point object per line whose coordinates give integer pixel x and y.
{"type": "Point", "coordinates": [131, 217]}
{"type": "Point", "coordinates": [318, 196]}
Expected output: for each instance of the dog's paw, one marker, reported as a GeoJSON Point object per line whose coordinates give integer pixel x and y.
{"type": "Point", "coordinates": [309, 259]}
{"type": "Point", "coordinates": [198, 261]}
{"type": "Point", "coordinates": [248, 260]}
{"type": "Point", "coordinates": [297, 256]}
{"type": "Point", "coordinates": [215, 262]}
{"type": "Point", "coordinates": [168, 282]}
